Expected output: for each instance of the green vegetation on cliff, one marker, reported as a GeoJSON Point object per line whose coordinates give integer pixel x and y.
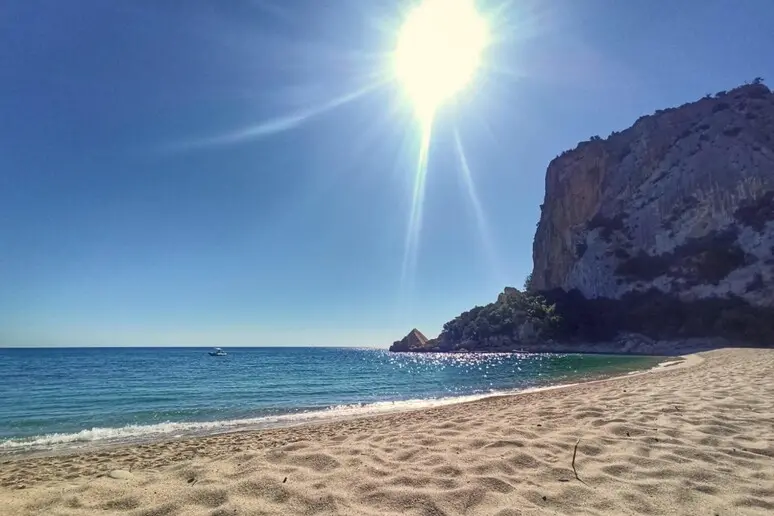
{"type": "Point", "coordinates": [531, 321]}
{"type": "Point", "coordinates": [504, 317]}
{"type": "Point", "coordinates": [515, 318]}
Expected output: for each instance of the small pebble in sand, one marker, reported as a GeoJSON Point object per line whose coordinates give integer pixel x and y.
{"type": "Point", "coordinates": [120, 474]}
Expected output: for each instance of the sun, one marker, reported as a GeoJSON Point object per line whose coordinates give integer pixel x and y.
{"type": "Point", "coordinates": [438, 51]}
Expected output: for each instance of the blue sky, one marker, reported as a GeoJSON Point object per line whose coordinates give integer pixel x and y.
{"type": "Point", "coordinates": [200, 173]}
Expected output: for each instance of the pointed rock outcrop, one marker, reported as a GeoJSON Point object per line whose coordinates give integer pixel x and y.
{"type": "Point", "coordinates": [415, 340]}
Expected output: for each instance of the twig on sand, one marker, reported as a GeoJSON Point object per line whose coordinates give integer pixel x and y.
{"type": "Point", "coordinates": [574, 453]}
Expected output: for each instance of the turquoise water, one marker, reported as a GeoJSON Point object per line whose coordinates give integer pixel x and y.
{"type": "Point", "coordinates": [55, 398]}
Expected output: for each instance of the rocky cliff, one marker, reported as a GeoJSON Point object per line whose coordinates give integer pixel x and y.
{"type": "Point", "coordinates": [648, 240]}
{"type": "Point", "coordinates": [681, 202]}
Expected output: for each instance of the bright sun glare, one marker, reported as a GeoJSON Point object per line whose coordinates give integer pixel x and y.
{"type": "Point", "coordinates": [438, 51]}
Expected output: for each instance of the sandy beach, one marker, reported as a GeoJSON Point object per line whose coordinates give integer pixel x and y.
{"type": "Point", "coordinates": [690, 438]}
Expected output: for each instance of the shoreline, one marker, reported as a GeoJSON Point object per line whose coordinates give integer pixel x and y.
{"type": "Point", "coordinates": [691, 436]}
{"type": "Point", "coordinates": [91, 448]}
{"type": "Point", "coordinates": [625, 344]}
{"type": "Point", "coordinates": [169, 431]}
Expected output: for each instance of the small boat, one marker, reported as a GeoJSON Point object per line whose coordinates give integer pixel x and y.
{"type": "Point", "coordinates": [217, 352]}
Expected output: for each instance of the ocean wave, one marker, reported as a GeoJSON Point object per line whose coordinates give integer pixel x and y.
{"type": "Point", "coordinates": [134, 433]}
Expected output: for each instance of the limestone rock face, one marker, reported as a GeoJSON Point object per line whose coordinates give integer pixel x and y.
{"type": "Point", "coordinates": [683, 202]}
{"type": "Point", "coordinates": [415, 340]}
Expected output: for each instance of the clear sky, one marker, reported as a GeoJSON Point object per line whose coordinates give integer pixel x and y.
{"type": "Point", "coordinates": [238, 173]}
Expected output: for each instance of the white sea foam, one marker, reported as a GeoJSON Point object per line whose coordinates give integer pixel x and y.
{"type": "Point", "coordinates": [135, 433]}
{"type": "Point", "coordinates": [146, 433]}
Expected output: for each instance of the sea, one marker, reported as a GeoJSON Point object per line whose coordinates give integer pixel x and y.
{"type": "Point", "coordinates": [60, 399]}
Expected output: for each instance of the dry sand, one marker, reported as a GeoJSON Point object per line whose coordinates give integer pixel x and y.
{"type": "Point", "coordinates": [688, 439]}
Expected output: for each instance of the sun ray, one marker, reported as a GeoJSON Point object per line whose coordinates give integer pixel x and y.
{"type": "Point", "coordinates": [278, 124]}
{"type": "Point", "coordinates": [414, 229]}
{"type": "Point", "coordinates": [478, 211]}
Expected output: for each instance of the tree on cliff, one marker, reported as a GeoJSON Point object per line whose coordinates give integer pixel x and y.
{"type": "Point", "coordinates": [527, 282]}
